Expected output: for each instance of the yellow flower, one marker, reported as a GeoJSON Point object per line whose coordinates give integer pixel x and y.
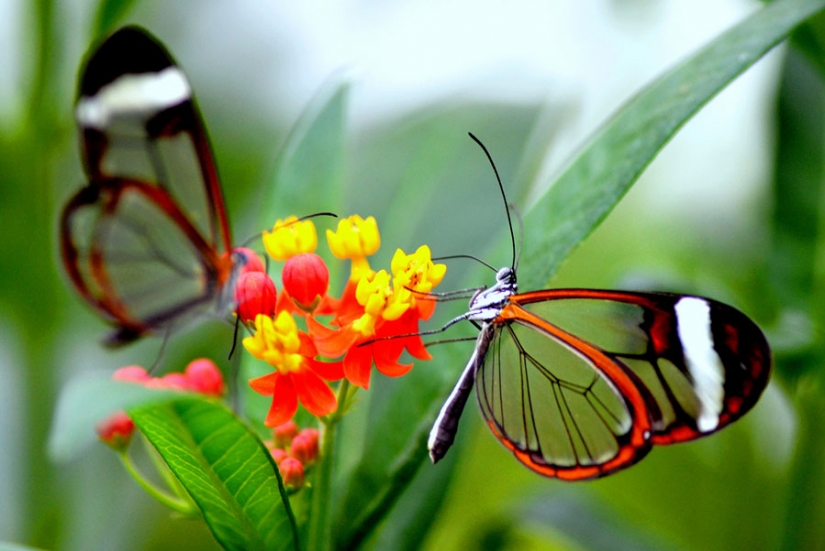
{"type": "Point", "coordinates": [290, 237]}
{"type": "Point", "coordinates": [276, 342]}
{"type": "Point", "coordinates": [355, 239]}
{"type": "Point", "coordinates": [373, 291]}
{"type": "Point", "coordinates": [415, 273]}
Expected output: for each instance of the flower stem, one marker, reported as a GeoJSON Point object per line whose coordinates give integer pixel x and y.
{"type": "Point", "coordinates": [322, 483]}
{"type": "Point", "coordinates": [183, 507]}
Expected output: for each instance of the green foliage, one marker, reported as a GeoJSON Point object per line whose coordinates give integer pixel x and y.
{"type": "Point", "coordinates": [725, 492]}
{"type": "Point", "coordinates": [226, 469]}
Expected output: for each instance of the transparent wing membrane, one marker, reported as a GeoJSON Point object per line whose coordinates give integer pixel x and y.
{"type": "Point", "coordinates": [147, 241]}
{"type": "Point", "coordinates": [580, 383]}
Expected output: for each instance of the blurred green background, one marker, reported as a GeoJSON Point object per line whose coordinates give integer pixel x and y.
{"type": "Point", "coordinates": [730, 209]}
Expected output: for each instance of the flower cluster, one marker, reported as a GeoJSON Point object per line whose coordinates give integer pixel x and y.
{"type": "Point", "coordinates": [312, 338]}
{"type": "Point", "coordinates": [294, 450]}
{"type": "Point", "coordinates": [201, 376]}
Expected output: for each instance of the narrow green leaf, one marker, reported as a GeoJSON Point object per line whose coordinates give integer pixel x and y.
{"type": "Point", "coordinates": [88, 400]}
{"type": "Point", "coordinates": [310, 172]}
{"type": "Point", "coordinates": [615, 157]}
{"type": "Point", "coordinates": [798, 181]}
{"type": "Point", "coordinates": [226, 469]}
{"type": "Point", "coordinates": [110, 13]}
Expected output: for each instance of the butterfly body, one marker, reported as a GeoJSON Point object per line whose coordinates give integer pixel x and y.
{"type": "Point", "coordinates": [146, 242]}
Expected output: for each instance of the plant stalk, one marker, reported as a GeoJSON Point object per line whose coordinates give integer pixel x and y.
{"type": "Point", "coordinates": [319, 536]}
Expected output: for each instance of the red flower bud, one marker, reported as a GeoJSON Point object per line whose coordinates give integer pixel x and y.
{"type": "Point", "coordinates": [174, 381]}
{"type": "Point", "coordinates": [278, 455]}
{"type": "Point", "coordinates": [131, 374]}
{"type": "Point", "coordinates": [204, 376]}
{"type": "Point", "coordinates": [116, 431]}
{"type": "Point", "coordinates": [305, 446]}
{"type": "Point", "coordinates": [255, 294]}
{"type": "Point", "coordinates": [253, 261]}
{"type": "Point", "coordinates": [292, 472]}
{"type": "Point", "coordinates": [283, 434]}
{"type": "Point", "coordinates": [306, 278]}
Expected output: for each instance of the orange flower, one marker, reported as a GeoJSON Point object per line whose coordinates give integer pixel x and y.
{"type": "Point", "coordinates": [298, 376]}
{"type": "Point", "coordinates": [373, 314]}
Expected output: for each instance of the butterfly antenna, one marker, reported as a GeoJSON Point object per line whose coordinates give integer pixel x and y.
{"type": "Point", "coordinates": [314, 215]}
{"type": "Point", "coordinates": [517, 213]}
{"type": "Point", "coordinates": [471, 257]}
{"type": "Point", "coordinates": [162, 351]}
{"type": "Point", "coordinates": [234, 337]}
{"type": "Point", "coordinates": [503, 196]}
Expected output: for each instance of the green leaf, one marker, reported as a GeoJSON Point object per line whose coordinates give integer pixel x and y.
{"type": "Point", "coordinates": [110, 13]}
{"type": "Point", "coordinates": [88, 400]}
{"type": "Point", "coordinates": [615, 157]}
{"type": "Point", "coordinates": [310, 173]}
{"type": "Point", "coordinates": [226, 469]}
{"type": "Point", "coordinates": [15, 547]}
{"type": "Point", "coordinates": [798, 184]}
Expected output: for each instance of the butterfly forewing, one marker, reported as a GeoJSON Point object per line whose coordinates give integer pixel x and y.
{"type": "Point", "coordinates": [700, 364]}
{"type": "Point", "coordinates": [147, 240]}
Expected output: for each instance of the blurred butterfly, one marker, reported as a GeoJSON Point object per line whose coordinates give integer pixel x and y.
{"type": "Point", "coordinates": [581, 383]}
{"type": "Point", "coordinates": [146, 242]}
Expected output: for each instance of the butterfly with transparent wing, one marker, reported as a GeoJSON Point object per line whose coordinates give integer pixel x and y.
{"type": "Point", "coordinates": [147, 241]}
{"type": "Point", "coordinates": [580, 383]}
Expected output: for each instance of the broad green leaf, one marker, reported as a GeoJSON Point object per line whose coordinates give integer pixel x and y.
{"type": "Point", "coordinates": [88, 400]}
{"type": "Point", "coordinates": [226, 469]}
{"type": "Point", "coordinates": [590, 187]}
{"type": "Point", "coordinates": [615, 157]}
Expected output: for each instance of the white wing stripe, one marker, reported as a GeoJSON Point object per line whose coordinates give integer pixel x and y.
{"type": "Point", "coordinates": [703, 363]}
{"type": "Point", "coordinates": [133, 94]}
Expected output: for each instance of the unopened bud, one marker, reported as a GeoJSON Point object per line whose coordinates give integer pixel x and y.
{"type": "Point", "coordinates": [116, 431]}
{"type": "Point", "coordinates": [306, 278]}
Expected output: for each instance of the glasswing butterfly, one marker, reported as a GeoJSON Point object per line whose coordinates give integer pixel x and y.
{"type": "Point", "coordinates": [146, 242]}
{"type": "Point", "coordinates": [580, 383]}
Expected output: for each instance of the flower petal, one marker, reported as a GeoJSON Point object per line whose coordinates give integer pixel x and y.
{"type": "Point", "coordinates": [313, 393]}
{"type": "Point", "coordinates": [284, 403]}
{"type": "Point", "coordinates": [415, 346]}
{"type": "Point", "coordinates": [331, 343]}
{"type": "Point", "coordinates": [331, 371]}
{"type": "Point", "coordinates": [265, 384]}
{"type": "Point", "coordinates": [389, 366]}
{"type": "Point", "coordinates": [357, 365]}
